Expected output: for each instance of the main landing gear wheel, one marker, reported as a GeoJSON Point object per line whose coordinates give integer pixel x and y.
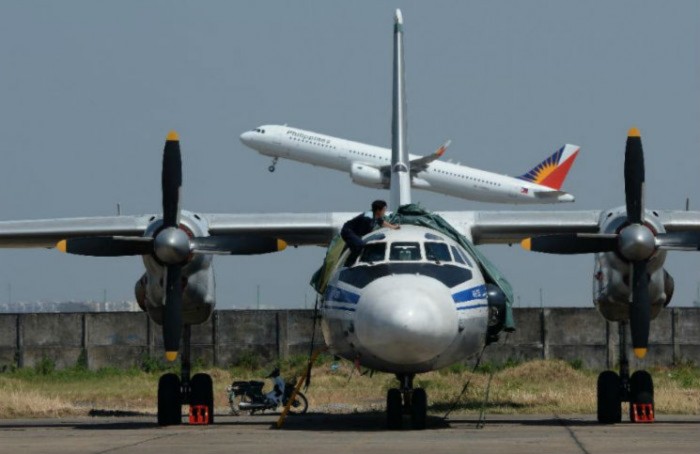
{"type": "Point", "coordinates": [169, 400]}
{"type": "Point", "coordinates": [641, 391]}
{"type": "Point", "coordinates": [609, 398]}
{"type": "Point", "coordinates": [202, 393]}
{"type": "Point", "coordinates": [419, 409]}
{"type": "Point", "coordinates": [394, 409]}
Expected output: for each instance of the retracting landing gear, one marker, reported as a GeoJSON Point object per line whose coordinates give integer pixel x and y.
{"type": "Point", "coordinates": [613, 389]}
{"type": "Point", "coordinates": [174, 391]}
{"type": "Point", "coordinates": [274, 163]}
{"type": "Point", "coordinates": [406, 401]}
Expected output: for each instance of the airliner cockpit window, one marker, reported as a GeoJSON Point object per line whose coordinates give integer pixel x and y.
{"type": "Point", "coordinates": [404, 251]}
{"type": "Point", "coordinates": [438, 252]}
{"type": "Point", "coordinates": [457, 256]}
{"type": "Point", "coordinates": [464, 256]}
{"type": "Point", "coordinates": [374, 252]}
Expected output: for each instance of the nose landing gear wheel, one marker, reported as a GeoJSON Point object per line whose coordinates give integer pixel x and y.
{"type": "Point", "coordinates": [394, 409]}
{"type": "Point", "coordinates": [272, 166]}
{"type": "Point", "coordinates": [169, 400]}
{"type": "Point", "coordinates": [609, 398]}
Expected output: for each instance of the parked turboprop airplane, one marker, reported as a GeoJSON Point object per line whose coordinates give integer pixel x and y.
{"type": "Point", "coordinates": [416, 299]}
{"type": "Point", "coordinates": [369, 166]}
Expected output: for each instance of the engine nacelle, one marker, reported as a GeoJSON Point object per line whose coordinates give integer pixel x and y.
{"type": "Point", "coordinates": [368, 176]}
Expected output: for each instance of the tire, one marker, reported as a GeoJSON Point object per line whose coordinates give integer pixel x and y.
{"type": "Point", "coordinates": [271, 169]}
{"type": "Point", "coordinates": [609, 398]}
{"type": "Point", "coordinates": [300, 405]}
{"type": "Point", "coordinates": [419, 409]}
{"type": "Point", "coordinates": [641, 390]}
{"type": "Point", "coordinates": [169, 400]}
{"type": "Point", "coordinates": [202, 393]}
{"type": "Point", "coordinates": [394, 409]}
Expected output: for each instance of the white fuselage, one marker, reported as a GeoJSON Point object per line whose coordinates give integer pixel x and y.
{"type": "Point", "coordinates": [363, 162]}
{"type": "Point", "coordinates": [414, 301]}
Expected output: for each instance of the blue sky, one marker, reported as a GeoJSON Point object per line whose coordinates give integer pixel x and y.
{"type": "Point", "coordinates": [88, 91]}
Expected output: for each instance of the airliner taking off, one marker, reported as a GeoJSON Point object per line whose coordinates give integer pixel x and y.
{"type": "Point", "coordinates": [369, 166]}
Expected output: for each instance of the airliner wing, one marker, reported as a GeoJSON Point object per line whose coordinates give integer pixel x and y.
{"type": "Point", "coordinates": [297, 229]}
{"type": "Point", "coordinates": [421, 164]}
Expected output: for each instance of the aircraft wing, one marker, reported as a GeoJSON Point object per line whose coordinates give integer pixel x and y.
{"type": "Point", "coordinates": [47, 232]}
{"type": "Point", "coordinates": [420, 164]}
{"type": "Point", "coordinates": [508, 227]}
{"type": "Point", "coordinates": [295, 228]}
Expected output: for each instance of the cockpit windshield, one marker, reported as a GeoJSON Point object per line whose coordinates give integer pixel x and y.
{"type": "Point", "coordinates": [404, 251]}
{"type": "Point", "coordinates": [438, 252]}
{"type": "Point", "coordinates": [373, 252]}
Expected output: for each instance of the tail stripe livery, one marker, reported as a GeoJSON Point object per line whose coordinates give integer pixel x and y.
{"type": "Point", "coordinates": [552, 171]}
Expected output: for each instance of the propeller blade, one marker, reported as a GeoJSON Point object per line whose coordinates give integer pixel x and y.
{"type": "Point", "coordinates": [107, 246]}
{"type": "Point", "coordinates": [171, 180]}
{"type": "Point", "coordinates": [172, 317]}
{"type": "Point", "coordinates": [571, 243]}
{"type": "Point", "coordinates": [634, 177]}
{"type": "Point", "coordinates": [679, 241]}
{"type": "Point", "coordinates": [640, 309]}
{"type": "Point", "coordinates": [236, 245]}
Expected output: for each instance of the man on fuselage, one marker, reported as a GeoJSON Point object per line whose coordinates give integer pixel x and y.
{"type": "Point", "coordinates": [359, 226]}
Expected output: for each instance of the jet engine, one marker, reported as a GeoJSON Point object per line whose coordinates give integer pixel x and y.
{"type": "Point", "coordinates": [368, 176]}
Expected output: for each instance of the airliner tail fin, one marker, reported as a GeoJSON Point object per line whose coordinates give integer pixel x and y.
{"type": "Point", "coordinates": [553, 171]}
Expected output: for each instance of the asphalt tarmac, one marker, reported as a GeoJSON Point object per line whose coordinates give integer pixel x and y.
{"type": "Point", "coordinates": [336, 433]}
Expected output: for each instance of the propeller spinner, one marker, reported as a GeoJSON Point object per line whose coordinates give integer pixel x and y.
{"type": "Point", "coordinates": [171, 246]}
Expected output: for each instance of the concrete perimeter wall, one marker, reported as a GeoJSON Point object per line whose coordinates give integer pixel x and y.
{"type": "Point", "coordinates": [124, 339]}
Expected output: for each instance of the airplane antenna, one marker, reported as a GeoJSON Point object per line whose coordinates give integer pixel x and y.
{"type": "Point", "coordinates": [119, 209]}
{"type": "Point", "coordinates": [687, 204]}
{"type": "Point", "coordinates": [400, 170]}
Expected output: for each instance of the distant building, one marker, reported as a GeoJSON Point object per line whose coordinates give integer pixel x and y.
{"type": "Point", "coordinates": [23, 307]}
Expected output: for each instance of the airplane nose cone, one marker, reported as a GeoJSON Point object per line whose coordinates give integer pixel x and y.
{"type": "Point", "coordinates": [406, 319]}
{"type": "Point", "coordinates": [247, 137]}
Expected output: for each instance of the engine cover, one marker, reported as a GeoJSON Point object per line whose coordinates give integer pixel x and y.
{"type": "Point", "coordinates": [368, 176]}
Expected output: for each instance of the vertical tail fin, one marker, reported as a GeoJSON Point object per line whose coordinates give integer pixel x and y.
{"type": "Point", "coordinates": [400, 165]}
{"type": "Point", "coordinates": [553, 171]}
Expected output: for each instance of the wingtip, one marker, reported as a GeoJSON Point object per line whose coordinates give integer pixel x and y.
{"type": "Point", "coordinates": [633, 132]}
{"type": "Point", "coordinates": [173, 137]}
{"type": "Point", "coordinates": [281, 245]}
{"type": "Point", "coordinates": [640, 352]}
{"type": "Point", "coordinates": [398, 17]}
{"type": "Point", "coordinates": [526, 244]}
{"type": "Point", "coordinates": [62, 245]}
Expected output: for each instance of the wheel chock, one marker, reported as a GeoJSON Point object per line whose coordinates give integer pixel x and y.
{"type": "Point", "coordinates": [199, 414]}
{"type": "Point", "coordinates": [642, 412]}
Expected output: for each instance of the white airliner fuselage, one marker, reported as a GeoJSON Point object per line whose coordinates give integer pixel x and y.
{"type": "Point", "coordinates": [366, 164]}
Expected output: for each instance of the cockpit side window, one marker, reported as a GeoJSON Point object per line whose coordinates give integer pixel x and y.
{"type": "Point", "coordinates": [464, 256]}
{"type": "Point", "coordinates": [457, 256]}
{"type": "Point", "coordinates": [404, 251]}
{"type": "Point", "coordinates": [373, 252]}
{"type": "Point", "coordinates": [438, 252]}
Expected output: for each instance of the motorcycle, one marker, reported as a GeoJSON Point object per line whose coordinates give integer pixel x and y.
{"type": "Point", "coordinates": [248, 396]}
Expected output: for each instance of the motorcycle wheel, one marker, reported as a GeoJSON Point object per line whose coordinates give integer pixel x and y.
{"type": "Point", "coordinates": [300, 405]}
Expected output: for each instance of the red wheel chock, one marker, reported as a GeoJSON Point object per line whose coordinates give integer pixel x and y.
{"type": "Point", "coordinates": [642, 412]}
{"type": "Point", "coordinates": [199, 414]}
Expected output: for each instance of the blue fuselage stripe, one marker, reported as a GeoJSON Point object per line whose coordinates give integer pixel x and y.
{"type": "Point", "coordinates": [470, 294]}
{"type": "Point", "coordinates": [473, 306]}
{"type": "Point", "coordinates": [340, 295]}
